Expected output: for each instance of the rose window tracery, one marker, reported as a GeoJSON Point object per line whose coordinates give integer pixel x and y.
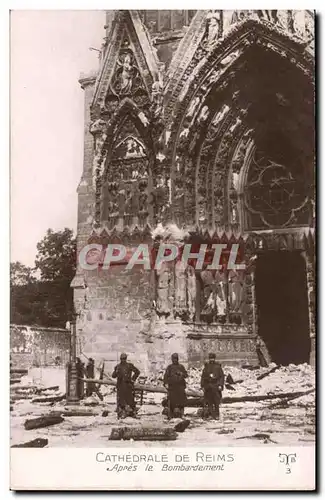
{"type": "Point", "coordinates": [275, 195]}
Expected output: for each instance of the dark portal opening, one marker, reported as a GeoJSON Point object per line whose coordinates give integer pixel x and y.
{"type": "Point", "coordinates": [282, 306]}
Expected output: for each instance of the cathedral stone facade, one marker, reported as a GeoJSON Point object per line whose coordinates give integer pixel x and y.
{"type": "Point", "coordinates": [199, 129]}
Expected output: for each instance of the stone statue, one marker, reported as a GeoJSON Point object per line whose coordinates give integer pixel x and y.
{"type": "Point", "coordinates": [157, 99]}
{"type": "Point", "coordinates": [180, 288]}
{"type": "Point", "coordinates": [125, 74]}
{"type": "Point", "coordinates": [191, 292]}
{"type": "Point", "coordinates": [213, 26]}
{"type": "Point", "coordinates": [164, 278]}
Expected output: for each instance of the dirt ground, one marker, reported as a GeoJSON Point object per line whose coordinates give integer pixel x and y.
{"type": "Point", "coordinates": [267, 423]}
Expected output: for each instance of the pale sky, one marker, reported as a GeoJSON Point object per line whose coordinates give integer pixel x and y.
{"type": "Point", "coordinates": [49, 50]}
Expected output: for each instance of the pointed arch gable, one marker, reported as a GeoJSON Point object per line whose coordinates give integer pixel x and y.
{"type": "Point", "coordinates": [128, 110]}
{"type": "Point", "coordinates": [195, 53]}
{"type": "Point", "coordinates": [127, 36]}
{"type": "Point", "coordinates": [124, 186]}
{"type": "Point", "coordinates": [223, 56]}
{"type": "Point", "coordinates": [214, 84]}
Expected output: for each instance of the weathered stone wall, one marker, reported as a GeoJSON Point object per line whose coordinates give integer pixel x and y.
{"type": "Point", "coordinates": [232, 345]}
{"type": "Point", "coordinates": [38, 346]}
{"type": "Point", "coordinates": [192, 139]}
{"type": "Point", "coordinates": [113, 309]}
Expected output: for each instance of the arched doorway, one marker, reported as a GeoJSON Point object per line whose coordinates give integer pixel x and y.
{"type": "Point", "coordinates": [282, 306]}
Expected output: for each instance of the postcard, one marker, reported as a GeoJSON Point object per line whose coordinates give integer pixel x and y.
{"type": "Point", "coordinates": [162, 330]}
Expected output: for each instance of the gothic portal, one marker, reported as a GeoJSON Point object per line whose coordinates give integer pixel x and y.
{"type": "Point", "coordinates": [199, 129]}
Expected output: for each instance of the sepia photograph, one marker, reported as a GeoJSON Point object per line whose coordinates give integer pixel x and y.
{"type": "Point", "coordinates": [162, 263]}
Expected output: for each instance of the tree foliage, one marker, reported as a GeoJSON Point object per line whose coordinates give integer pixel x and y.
{"type": "Point", "coordinates": [56, 256]}
{"type": "Point", "coordinates": [21, 274]}
{"type": "Point", "coordinates": [49, 300]}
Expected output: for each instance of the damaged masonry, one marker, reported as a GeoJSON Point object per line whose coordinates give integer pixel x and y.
{"type": "Point", "coordinates": [95, 256]}
{"type": "Point", "coordinates": [199, 133]}
{"type": "Point", "coordinates": [192, 138]}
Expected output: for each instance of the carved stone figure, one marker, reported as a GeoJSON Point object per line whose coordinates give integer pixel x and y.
{"type": "Point", "coordinates": [191, 291]}
{"type": "Point", "coordinates": [164, 305]}
{"type": "Point", "coordinates": [126, 74]}
{"type": "Point", "coordinates": [235, 284]}
{"type": "Point", "coordinates": [133, 148]}
{"type": "Point", "coordinates": [213, 26]}
{"type": "Point", "coordinates": [180, 304]}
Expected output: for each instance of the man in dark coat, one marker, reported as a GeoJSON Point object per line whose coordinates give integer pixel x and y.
{"type": "Point", "coordinates": [174, 381]}
{"type": "Point", "coordinates": [126, 374]}
{"type": "Point", "coordinates": [212, 382]}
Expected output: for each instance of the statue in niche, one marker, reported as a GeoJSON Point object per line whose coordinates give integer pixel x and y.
{"type": "Point", "coordinates": [191, 292]}
{"type": "Point", "coordinates": [164, 278]}
{"type": "Point", "coordinates": [143, 202]}
{"type": "Point", "coordinates": [234, 216]}
{"type": "Point", "coordinates": [133, 148]}
{"type": "Point", "coordinates": [213, 26]}
{"type": "Point", "coordinates": [236, 295]}
{"type": "Point", "coordinates": [180, 290]}
{"type": "Point", "coordinates": [112, 206]}
{"type": "Point", "coordinates": [207, 297]}
{"type": "Point", "coordinates": [268, 15]}
{"type": "Point", "coordinates": [221, 296]}
{"type": "Point", "coordinates": [157, 99]}
{"type": "Point", "coordinates": [125, 74]}
{"type": "Point", "coordinates": [214, 302]}
{"type": "Point", "coordinates": [219, 208]}
{"type": "Point", "coordinates": [126, 200]}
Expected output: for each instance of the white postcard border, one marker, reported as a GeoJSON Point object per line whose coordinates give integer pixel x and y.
{"type": "Point", "coordinates": [212, 468]}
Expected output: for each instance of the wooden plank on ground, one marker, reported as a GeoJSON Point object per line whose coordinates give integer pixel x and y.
{"type": "Point", "coordinates": [143, 433]}
{"type": "Point", "coordinates": [34, 443]}
{"type": "Point", "coordinates": [45, 421]}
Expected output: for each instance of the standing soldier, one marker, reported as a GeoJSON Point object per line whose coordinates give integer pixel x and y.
{"type": "Point", "coordinates": [174, 381]}
{"type": "Point", "coordinates": [212, 382]}
{"type": "Point", "coordinates": [126, 374]}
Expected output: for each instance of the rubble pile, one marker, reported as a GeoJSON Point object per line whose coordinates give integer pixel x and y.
{"type": "Point", "coordinates": [41, 418]}
{"type": "Point", "coordinates": [249, 382]}
{"type": "Point", "coordinates": [35, 393]}
{"type": "Point", "coordinates": [284, 379]}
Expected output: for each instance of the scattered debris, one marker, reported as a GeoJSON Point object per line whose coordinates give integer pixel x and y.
{"type": "Point", "coordinates": [260, 435]}
{"type": "Point", "coordinates": [43, 389]}
{"type": "Point", "coordinates": [182, 425]}
{"type": "Point", "coordinates": [17, 397]}
{"type": "Point", "coordinates": [45, 421]}
{"type": "Point", "coordinates": [143, 433]}
{"type": "Point", "coordinates": [34, 443]}
{"type": "Point", "coordinates": [285, 397]}
{"type": "Point", "coordinates": [18, 371]}
{"type": "Point", "coordinates": [229, 379]}
{"type": "Point", "coordinates": [49, 399]}
{"type": "Point", "coordinates": [266, 374]}
{"type": "Point", "coordinates": [91, 401]}
{"type": "Point", "coordinates": [15, 381]}
{"type": "Point", "coordinates": [250, 367]}
{"type": "Point", "coordinates": [24, 388]}
{"type": "Point", "coordinates": [78, 413]}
